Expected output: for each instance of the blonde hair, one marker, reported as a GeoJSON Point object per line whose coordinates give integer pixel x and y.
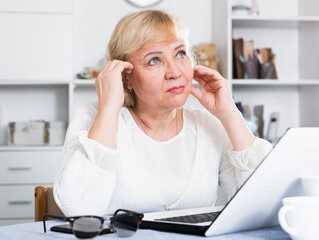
{"type": "Point", "coordinates": [135, 30]}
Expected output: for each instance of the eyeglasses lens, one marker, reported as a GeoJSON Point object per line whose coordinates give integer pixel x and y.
{"type": "Point", "coordinates": [125, 226]}
{"type": "Point", "coordinates": [87, 227]}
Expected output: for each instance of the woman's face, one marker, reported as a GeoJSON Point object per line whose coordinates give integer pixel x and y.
{"type": "Point", "coordinates": [162, 75]}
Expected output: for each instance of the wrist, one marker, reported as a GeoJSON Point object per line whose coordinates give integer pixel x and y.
{"type": "Point", "coordinates": [231, 113]}
{"type": "Point", "coordinates": [109, 110]}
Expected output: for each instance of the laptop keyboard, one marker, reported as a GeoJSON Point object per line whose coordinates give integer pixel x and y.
{"type": "Point", "coordinates": [196, 218]}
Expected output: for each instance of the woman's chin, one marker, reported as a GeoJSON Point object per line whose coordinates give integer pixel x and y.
{"type": "Point", "coordinates": [179, 101]}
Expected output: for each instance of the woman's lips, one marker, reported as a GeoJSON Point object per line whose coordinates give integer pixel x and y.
{"type": "Point", "coordinates": [178, 89]}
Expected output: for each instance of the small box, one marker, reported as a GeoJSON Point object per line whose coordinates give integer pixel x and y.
{"type": "Point", "coordinates": [57, 131]}
{"type": "Point", "coordinates": [31, 133]}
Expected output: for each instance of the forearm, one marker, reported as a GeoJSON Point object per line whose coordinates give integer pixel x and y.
{"type": "Point", "coordinates": [74, 194]}
{"type": "Point", "coordinates": [105, 127]}
{"type": "Point", "coordinates": [239, 134]}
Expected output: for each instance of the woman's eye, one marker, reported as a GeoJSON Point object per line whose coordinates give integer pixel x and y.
{"type": "Point", "coordinates": [153, 61]}
{"type": "Point", "coordinates": [181, 54]}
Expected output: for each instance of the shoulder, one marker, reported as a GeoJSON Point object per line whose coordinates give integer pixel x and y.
{"type": "Point", "coordinates": [89, 110]}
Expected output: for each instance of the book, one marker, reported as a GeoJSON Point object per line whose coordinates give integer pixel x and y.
{"type": "Point", "coordinates": [237, 65]}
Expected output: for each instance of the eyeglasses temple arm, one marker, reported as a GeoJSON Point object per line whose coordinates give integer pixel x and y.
{"type": "Point", "coordinates": [45, 216]}
{"type": "Point", "coordinates": [140, 215]}
{"type": "Point", "coordinates": [44, 227]}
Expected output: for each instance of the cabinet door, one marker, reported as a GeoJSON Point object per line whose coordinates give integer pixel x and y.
{"type": "Point", "coordinates": [17, 202]}
{"type": "Point", "coordinates": [29, 167]}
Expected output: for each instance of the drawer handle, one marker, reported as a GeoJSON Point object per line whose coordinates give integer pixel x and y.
{"type": "Point", "coordinates": [19, 202]}
{"type": "Point", "coordinates": [19, 168]}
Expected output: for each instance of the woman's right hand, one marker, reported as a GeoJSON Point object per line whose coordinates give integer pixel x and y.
{"type": "Point", "coordinates": [109, 85]}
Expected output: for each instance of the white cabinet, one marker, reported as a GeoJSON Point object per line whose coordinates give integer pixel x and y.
{"type": "Point", "coordinates": [22, 169]}
{"type": "Point", "coordinates": [36, 65]}
{"type": "Point", "coordinates": [291, 29]}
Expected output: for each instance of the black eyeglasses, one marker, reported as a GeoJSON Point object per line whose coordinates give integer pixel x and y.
{"type": "Point", "coordinates": [123, 223]}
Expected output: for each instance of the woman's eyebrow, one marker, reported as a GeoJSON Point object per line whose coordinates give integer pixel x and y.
{"type": "Point", "coordinates": [159, 52]}
{"type": "Point", "coordinates": [179, 46]}
{"type": "Point", "coordinates": [150, 53]}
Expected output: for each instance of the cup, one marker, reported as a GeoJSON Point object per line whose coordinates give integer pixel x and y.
{"type": "Point", "coordinates": [310, 185]}
{"type": "Point", "coordinates": [299, 217]}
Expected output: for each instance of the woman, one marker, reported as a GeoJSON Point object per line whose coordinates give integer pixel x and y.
{"type": "Point", "coordinates": [154, 153]}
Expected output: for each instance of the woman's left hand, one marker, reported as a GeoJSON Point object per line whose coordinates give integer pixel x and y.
{"type": "Point", "coordinates": [217, 99]}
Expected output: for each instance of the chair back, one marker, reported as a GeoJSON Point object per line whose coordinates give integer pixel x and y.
{"type": "Point", "coordinates": [44, 203]}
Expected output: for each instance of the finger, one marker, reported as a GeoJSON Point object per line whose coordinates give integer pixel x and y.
{"type": "Point", "coordinates": [108, 66]}
{"type": "Point", "coordinates": [208, 75]}
{"type": "Point", "coordinates": [204, 71]}
{"type": "Point", "coordinates": [201, 70]}
{"type": "Point", "coordinates": [198, 77]}
{"type": "Point", "coordinates": [124, 66]}
{"type": "Point", "coordinates": [113, 63]}
{"type": "Point", "coordinates": [129, 71]}
{"type": "Point", "coordinates": [200, 81]}
{"type": "Point", "coordinates": [197, 93]}
{"type": "Point", "coordinates": [204, 75]}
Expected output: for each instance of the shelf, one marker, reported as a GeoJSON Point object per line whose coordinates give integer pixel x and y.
{"type": "Point", "coordinates": [84, 82]}
{"type": "Point", "coordinates": [278, 18]}
{"type": "Point", "coordinates": [274, 82]}
{"type": "Point", "coordinates": [33, 82]}
{"type": "Point", "coordinates": [31, 148]}
{"type": "Point", "coordinates": [272, 22]}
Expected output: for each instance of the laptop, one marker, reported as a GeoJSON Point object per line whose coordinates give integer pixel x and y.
{"type": "Point", "coordinates": [257, 202]}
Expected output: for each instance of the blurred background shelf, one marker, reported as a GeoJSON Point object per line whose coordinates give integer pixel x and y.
{"type": "Point", "coordinates": [30, 148]}
{"type": "Point", "coordinates": [273, 22]}
{"type": "Point", "coordinates": [275, 82]}
{"type": "Point", "coordinates": [33, 82]}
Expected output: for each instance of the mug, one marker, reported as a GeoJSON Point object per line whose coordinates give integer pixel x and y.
{"type": "Point", "coordinates": [299, 217]}
{"type": "Point", "coordinates": [310, 185]}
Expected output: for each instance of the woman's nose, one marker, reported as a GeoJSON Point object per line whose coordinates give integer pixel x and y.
{"type": "Point", "coordinates": [172, 71]}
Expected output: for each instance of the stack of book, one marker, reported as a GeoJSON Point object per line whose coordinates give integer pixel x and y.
{"type": "Point", "coordinates": [252, 63]}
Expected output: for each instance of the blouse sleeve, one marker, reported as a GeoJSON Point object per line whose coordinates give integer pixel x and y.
{"type": "Point", "coordinates": [86, 181]}
{"type": "Point", "coordinates": [237, 166]}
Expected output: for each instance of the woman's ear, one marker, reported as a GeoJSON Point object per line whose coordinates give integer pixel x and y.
{"type": "Point", "coordinates": [128, 83]}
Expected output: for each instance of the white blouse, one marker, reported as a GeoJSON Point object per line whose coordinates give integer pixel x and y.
{"type": "Point", "coordinates": [168, 163]}
{"type": "Point", "coordinates": [145, 175]}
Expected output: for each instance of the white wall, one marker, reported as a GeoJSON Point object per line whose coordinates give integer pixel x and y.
{"type": "Point", "coordinates": [36, 40]}
{"type": "Point", "coordinates": [94, 21]}
{"type": "Point", "coordinates": [55, 39]}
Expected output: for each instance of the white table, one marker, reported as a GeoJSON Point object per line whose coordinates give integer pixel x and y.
{"type": "Point", "coordinates": [34, 231]}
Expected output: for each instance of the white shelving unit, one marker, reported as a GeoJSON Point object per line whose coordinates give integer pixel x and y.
{"type": "Point", "coordinates": [291, 29]}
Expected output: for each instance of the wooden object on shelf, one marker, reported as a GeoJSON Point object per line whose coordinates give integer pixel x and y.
{"type": "Point", "coordinates": [237, 65]}
{"type": "Point", "coordinates": [248, 50]}
{"type": "Point", "coordinates": [44, 203]}
{"type": "Point", "coordinates": [27, 133]}
{"type": "Point", "coordinates": [268, 61]}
